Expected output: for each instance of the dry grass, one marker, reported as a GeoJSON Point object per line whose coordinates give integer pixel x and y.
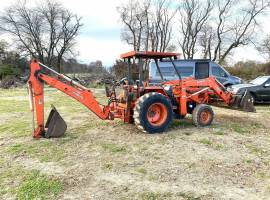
{"type": "Point", "coordinates": [111, 160]}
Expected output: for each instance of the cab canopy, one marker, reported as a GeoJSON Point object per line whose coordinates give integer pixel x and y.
{"type": "Point", "coordinates": [148, 54]}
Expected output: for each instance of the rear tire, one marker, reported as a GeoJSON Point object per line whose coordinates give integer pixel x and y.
{"type": "Point", "coordinates": [153, 113]}
{"type": "Point", "coordinates": [202, 115]}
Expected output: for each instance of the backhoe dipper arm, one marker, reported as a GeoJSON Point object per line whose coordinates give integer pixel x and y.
{"type": "Point", "coordinates": [64, 84]}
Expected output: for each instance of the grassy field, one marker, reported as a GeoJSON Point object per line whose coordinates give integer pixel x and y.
{"type": "Point", "coordinates": [111, 160]}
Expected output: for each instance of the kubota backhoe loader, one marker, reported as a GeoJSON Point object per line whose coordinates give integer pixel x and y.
{"type": "Point", "coordinates": [151, 108]}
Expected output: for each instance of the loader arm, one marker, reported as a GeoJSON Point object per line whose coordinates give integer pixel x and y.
{"type": "Point", "coordinates": [212, 83]}
{"type": "Point", "coordinates": [191, 89]}
{"type": "Point", "coordinates": [64, 84]}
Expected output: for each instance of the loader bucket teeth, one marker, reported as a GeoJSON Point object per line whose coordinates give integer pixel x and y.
{"type": "Point", "coordinates": [55, 125]}
{"type": "Point", "coordinates": [245, 103]}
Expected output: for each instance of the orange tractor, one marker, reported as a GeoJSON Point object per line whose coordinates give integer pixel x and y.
{"type": "Point", "coordinates": [151, 108]}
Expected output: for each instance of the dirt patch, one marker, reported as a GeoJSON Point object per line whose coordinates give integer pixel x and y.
{"type": "Point", "coordinates": [50, 168]}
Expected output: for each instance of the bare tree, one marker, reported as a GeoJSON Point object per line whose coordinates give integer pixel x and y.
{"type": "Point", "coordinates": [234, 27]}
{"type": "Point", "coordinates": [162, 20]}
{"type": "Point", "coordinates": [243, 29]}
{"type": "Point", "coordinates": [147, 24]}
{"type": "Point", "coordinates": [193, 17]}
{"type": "Point", "coordinates": [264, 47]}
{"type": "Point", "coordinates": [47, 31]}
{"type": "Point", "coordinates": [206, 39]}
{"type": "Point", "coordinates": [133, 18]}
{"type": "Point", "coordinates": [224, 7]}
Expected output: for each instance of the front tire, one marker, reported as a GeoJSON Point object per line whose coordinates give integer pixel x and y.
{"type": "Point", "coordinates": [202, 115]}
{"type": "Point", "coordinates": [153, 113]}
{"type": "Point", "coordinates": [252, 97]}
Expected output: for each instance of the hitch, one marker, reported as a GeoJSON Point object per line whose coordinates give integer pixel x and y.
{"type": "Point", "coordinates": [55, 125]}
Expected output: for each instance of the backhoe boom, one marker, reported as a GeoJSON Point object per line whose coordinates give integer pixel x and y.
{"type": "Point", "coordinates": [64, 84]}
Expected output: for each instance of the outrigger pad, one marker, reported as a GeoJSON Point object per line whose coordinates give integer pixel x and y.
{"type": "Point", "coordinates": [244, 103]}
{"type": "Point", "coordinates": [55, 125]}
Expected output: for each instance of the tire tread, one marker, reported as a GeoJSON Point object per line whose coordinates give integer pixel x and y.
{"type": "Point", "coordinates": [139, 108]}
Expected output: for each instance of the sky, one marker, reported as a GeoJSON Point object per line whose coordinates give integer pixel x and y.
{"type": "Point", "coordinates": [99, 38]}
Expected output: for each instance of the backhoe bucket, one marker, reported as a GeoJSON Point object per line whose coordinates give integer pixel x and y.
{"type": "Point", "coordinates": [244, 102]}
{"type": "Point", "coordinates": [55, 125]}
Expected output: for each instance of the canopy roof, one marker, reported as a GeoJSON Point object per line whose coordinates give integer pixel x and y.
{"type": "Point", "coordinates": [148, 54]}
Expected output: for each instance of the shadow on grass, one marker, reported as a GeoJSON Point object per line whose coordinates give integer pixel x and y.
{"type": "Point", "coordinates": [182, 123]}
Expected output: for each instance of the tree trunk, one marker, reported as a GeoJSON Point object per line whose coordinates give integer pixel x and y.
{"type": "Point", "coordinates": [58, 65]}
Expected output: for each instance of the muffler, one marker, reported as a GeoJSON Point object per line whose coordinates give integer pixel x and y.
{"type": "Point", "coordinates": [55, 125]}
{"type": "Point", "coordinates": [244, 102]}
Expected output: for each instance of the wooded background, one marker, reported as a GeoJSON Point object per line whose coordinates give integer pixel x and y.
{"type": "Point", "coordinates": [198, 29]}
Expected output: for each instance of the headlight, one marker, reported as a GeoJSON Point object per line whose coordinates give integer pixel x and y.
{"type": "Point", "coordinates": [235, 90]}
{"type": "Point", "coordinates": [167, 87]}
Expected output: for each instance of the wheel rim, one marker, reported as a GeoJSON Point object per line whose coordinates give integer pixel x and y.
{"type": "Point", "coordinates": [252, 99]}
{"type": "Point", "coordinates": [157, 114]}
{"type": "Point", "coordinates": [205, 116]}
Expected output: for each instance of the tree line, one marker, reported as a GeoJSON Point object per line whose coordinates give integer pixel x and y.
{"type": "Point", "coordinates": [210, 29]}
{"type": "Point", "coordinates": [46, 31]}
{"type": "Point", "coordinates": [202, 28]}
{"type": "Point", "coordinates": [13, 64]}
{"type": "Point", "coordinates": [249, 70]}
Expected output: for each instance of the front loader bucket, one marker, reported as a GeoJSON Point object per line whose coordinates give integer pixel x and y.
{"type": "Point", "coordinates": [55, 125]}
{"type": "Point", "coordinates": [244, 102]}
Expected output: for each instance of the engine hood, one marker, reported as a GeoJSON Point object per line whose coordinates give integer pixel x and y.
{"type": "Point", "coordinates": [245, 85]}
